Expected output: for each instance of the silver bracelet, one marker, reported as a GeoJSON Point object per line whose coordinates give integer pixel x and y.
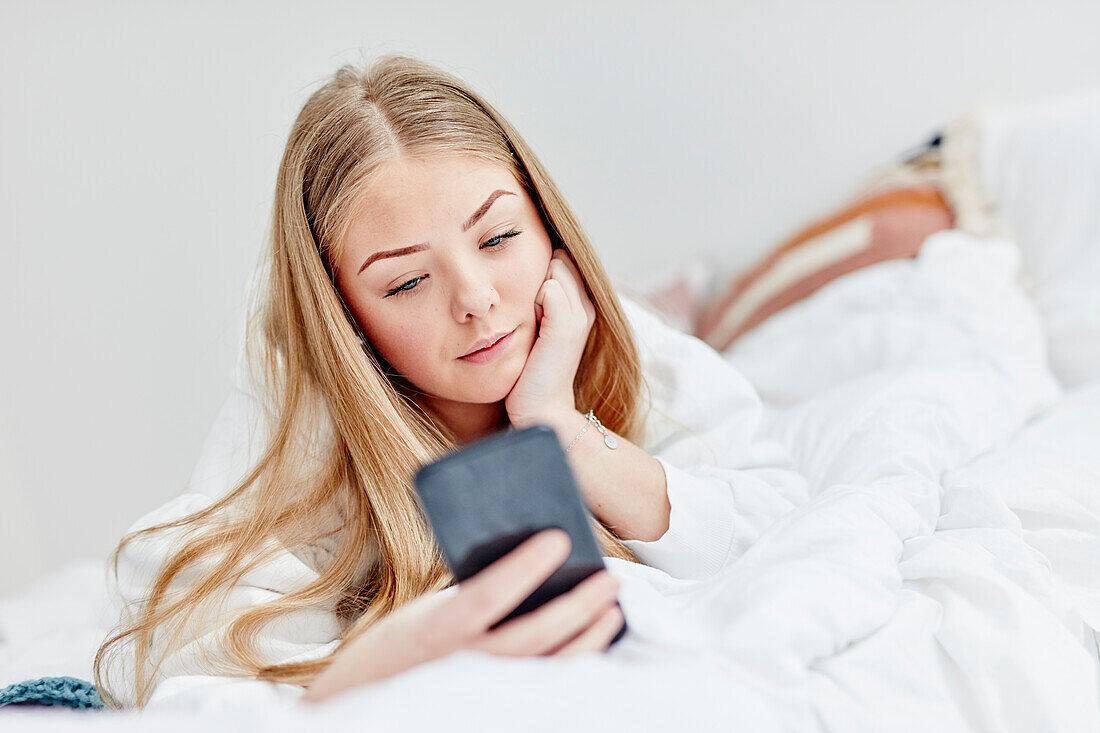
{"type": "Point", "coordinates": [608, 439]}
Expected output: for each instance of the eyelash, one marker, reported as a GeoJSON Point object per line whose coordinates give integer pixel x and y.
{"type": "Point", "coordinates": [402, 290]}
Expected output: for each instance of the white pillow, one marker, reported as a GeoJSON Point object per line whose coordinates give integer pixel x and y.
{"type": "Point", "coordinates": [1038, 167]}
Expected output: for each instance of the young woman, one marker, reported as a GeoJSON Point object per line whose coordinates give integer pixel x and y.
{"type": "Point", "coordinates": [426, 285]}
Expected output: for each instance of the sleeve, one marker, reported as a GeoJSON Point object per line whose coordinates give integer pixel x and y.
{"type": "Point", "coordinates": [184, 680]}
{"type": "Point", "coordinates": [727, 482]}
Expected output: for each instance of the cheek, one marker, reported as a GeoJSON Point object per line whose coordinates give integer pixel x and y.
{"type": "Point", "coordinates": [532, 275]}
{"type": "Point", "coordinates": [403, 347]}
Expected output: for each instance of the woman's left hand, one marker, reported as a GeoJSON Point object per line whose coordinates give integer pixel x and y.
{"type": "Point", "coordinates": [564, 316]}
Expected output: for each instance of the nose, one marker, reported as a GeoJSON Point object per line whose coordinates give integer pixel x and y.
{"type": "Point", "coordinates": [474, 296]}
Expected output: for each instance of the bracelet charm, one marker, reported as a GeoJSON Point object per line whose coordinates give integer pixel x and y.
{"type": "Point", "coordinates": [608, 438]}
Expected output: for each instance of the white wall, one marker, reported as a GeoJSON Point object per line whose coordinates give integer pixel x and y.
{"type": "Point", "coordinates": [139, 143]}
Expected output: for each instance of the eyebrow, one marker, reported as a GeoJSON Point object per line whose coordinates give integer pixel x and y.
{"type": "Point", "coordinates": [474, 217]}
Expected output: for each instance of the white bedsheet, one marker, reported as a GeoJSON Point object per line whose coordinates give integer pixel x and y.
{"type": "Point", "coordinates": [944, 575]}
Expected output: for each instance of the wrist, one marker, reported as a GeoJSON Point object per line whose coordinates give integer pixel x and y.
{"type": "Point", "coordinates": [565, 423]}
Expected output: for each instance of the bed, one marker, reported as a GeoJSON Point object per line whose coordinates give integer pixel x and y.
{"type": "Point", "coordinates": [943, 573]}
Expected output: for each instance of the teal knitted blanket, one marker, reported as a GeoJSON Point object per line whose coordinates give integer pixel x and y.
{"type": "Point", "coordinates": [64, 691]}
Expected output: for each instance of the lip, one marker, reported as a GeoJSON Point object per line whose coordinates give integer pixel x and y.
{"type": "Point", "coordinates": [499, 345]}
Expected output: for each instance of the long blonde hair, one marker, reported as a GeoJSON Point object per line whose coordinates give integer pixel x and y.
{"type": "Point", "coordinates": [345, 436]}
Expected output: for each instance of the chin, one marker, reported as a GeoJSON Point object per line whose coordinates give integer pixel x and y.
{"type": "Point", "coordinates": [495, 389]}
{"type": "Point", "coordinates": [492, 394]}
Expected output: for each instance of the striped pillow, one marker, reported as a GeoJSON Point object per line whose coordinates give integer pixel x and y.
{"type": "Point", "coordinates": [890, 221]}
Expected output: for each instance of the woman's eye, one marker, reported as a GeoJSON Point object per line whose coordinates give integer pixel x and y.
{"type": "Point", "coordinates": [497, 240]}
{"type": "Point", "coordinates": [411, 285]}
{"type": "Point", "coordinates": [406, 287]}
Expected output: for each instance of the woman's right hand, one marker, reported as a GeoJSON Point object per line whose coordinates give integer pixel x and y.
{"type": "Point", "coordinates": [582, 620]}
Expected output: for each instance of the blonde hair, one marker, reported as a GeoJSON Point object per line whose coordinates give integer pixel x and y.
{"type": "Point", "coordinates": [346, 436]}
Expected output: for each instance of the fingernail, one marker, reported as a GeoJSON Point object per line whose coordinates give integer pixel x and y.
{"type": "Point", "coordinates": [553, 540]}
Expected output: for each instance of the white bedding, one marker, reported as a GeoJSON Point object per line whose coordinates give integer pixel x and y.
{"type": "Point", "coordinates": [943, 575]}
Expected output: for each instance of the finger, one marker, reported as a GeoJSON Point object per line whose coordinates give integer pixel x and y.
{"type": "Point", "coordinates": [555, 622]}
{"type": "Point", "coordinates": [554, 302]}
{"type": "Point", "coordinates": [568, 277]}
{"type": "Point", "coordinates": [540, 301]}
{"type": "Point", "coordinates": [493, 593]}
{"type": "Point", "coordinates": [573, 270]}
{"type": "Point", "coordinates": [596, 637]}
{"type": "Point", "coordinates": [565, 314]}
{"type": "Point", "coordinates": [566, 261]}
{"type": "Point", "coordinates": [541, 294]}
{"type": "Point", "coordinates": [582, 301]}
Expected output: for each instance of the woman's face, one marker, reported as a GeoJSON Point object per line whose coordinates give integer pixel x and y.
{"type": "Point", "coordinates": [440, 254]}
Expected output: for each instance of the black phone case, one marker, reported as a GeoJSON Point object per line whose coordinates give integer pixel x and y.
{"type": "Point", "coordinates": [489, 496]}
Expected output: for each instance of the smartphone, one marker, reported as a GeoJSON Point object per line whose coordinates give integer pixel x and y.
{"type": "Point", "coordinates": [490, 495]}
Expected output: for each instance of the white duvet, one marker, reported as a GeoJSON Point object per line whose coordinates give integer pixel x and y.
{"type": "Point", "coordinates": [944, 573]}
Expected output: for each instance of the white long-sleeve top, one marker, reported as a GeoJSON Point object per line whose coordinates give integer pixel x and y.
{"type": "Point", "coordinates": [726, 484]}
